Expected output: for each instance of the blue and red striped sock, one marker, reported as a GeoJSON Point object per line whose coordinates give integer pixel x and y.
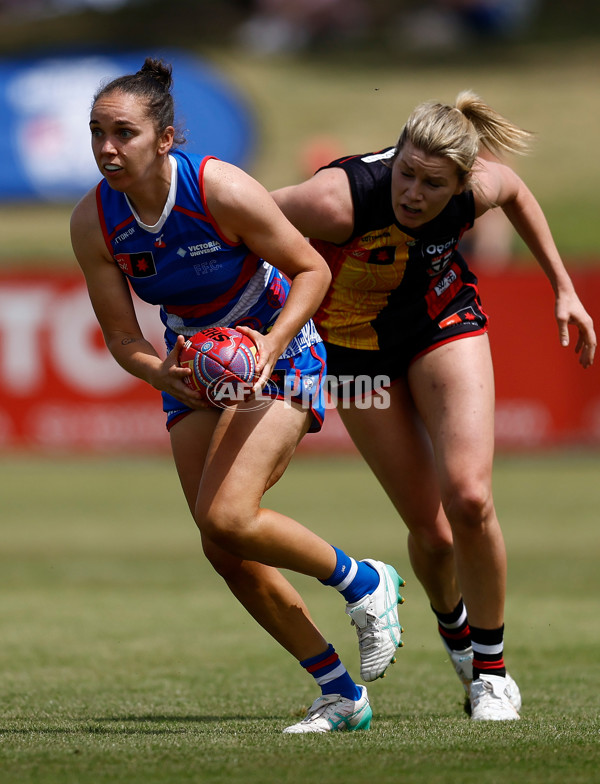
{"type": "Point", "coordinates": [331, 675]}
{"type": "Point", "coordinates": [488, 651]}
{"type": "Point", "coordinates": [353, 579]}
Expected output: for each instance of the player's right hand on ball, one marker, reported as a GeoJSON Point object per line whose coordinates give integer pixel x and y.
{"type": "Point", "coordinates": [172, 379]}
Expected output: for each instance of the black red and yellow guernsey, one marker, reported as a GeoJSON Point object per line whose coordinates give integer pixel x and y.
{"type": "Point", "coordinates": [388, 280]}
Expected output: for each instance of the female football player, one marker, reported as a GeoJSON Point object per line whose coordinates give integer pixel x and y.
{"type": "Point", "coordinates": [404, 304]}
{"type": "Point", "coordinates": [145, 224]}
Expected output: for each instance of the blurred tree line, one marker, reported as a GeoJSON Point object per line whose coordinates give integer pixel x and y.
{"type": "Point", "coordinates": [387, 28]}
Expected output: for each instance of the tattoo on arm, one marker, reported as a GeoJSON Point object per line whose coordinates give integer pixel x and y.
{"type": "Point", "coordinates": [128, 341]}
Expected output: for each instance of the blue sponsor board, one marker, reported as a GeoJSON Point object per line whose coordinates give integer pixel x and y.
{"type": "Point", "coordinates": [44, 113]}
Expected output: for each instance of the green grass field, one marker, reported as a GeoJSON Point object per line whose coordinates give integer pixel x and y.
{"type": "Point", "coordinates": [124, 659]}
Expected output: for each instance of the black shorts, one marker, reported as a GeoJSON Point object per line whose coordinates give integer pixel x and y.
{"type": "Point", "coordinates": [352, 367]}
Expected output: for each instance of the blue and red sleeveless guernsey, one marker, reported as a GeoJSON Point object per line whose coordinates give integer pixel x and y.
{"type": "Point", "coordinates": [185, 265]}
{"type": "Point", "coordinates": [397, 289]}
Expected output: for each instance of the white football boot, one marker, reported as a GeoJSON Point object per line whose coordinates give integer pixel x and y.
{"type": "Point", "coordinates": [334, 713]}
{"type": "Point", "coordinates": [375, 618]}
{"type": "Point", "coordinates": [494, 698]}
{"type": "Point", "coordinates": [462, 661]}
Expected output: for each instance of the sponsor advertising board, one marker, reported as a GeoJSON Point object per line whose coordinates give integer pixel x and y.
{"type": "Point", "coordinates": [44, 112]}
{"type": "Point", "coordinates": [60, 390]}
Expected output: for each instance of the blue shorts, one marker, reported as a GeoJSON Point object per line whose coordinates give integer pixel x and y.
{"type": "Point", "coordinates": [297, 379]}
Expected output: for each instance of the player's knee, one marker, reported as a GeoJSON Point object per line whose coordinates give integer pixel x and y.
{"type": "Point", "coordinates": [438, 543]}
{"type": "Point", "coordinates": [433, 541]}
{"type": "Point", "coordinates": [429, 531]}
{"type": "Point", "coordinates": [226, 527]}
{"type": "Point", "coordinates": [469, 505]}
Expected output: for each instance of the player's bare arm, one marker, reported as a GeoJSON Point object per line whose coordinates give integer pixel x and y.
{"type": "Point", "coordinates": [113, 306]}
{"type": "Point", "coordinates": [498, 184]}
{"type": "Point", "coordinates": [246, 212]}
{"type": "Point", "coordinates": [320, 207]}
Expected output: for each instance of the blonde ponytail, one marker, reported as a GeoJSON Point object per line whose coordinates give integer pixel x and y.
{"type": "Point", "coordinates": [458, 132]}
{"type": "Point", "coordinates": [495, 132]}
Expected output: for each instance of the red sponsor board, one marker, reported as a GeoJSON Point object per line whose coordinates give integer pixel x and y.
{"type": "Point", "coordinates": [60, 390]}
{"type": "Point", "coordinates": [544, 397]}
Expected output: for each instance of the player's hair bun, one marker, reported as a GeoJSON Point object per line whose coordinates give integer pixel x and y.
{"type": "Point", "coordinates": [158, 70]}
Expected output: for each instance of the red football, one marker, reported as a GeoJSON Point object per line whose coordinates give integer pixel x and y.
{"type": "Point", "coordinates": [223, 364]}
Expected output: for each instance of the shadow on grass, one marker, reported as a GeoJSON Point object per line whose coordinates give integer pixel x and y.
{"type": "Point", "coordinates": [192, 718]}
{"type": "Point", "coordinates": [106, 725]}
